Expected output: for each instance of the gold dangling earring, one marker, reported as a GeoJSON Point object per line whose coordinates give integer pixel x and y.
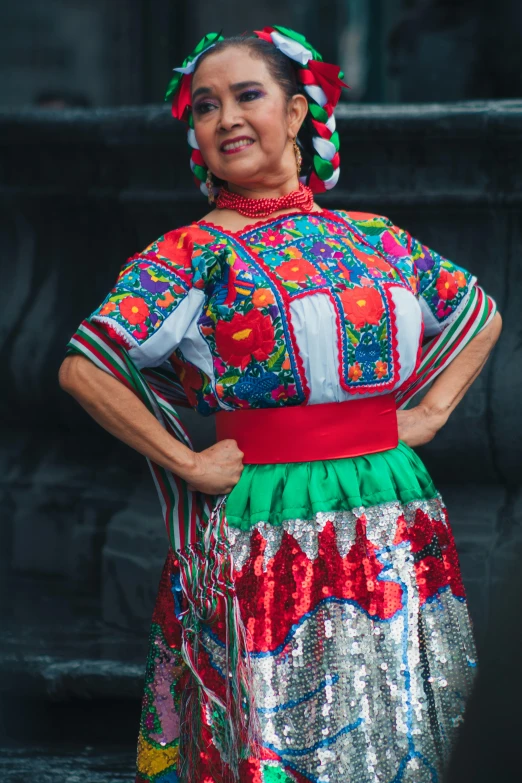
{"type": "Point", "coordinates": [210, 187]}
{"type": "Point", "coordinates": [298, 157]}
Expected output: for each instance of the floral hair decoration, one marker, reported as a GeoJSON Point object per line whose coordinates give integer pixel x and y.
{"type": "Point", "coordinates": [322, 83]}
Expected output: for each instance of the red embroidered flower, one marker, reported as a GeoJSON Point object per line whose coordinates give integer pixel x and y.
{"type": "Point", "coordinates": [381, 368]}
{"type": "Point", "coordinates": [355, 371]}
{"type": "Point", "coordinates": [297, 270]}
{"type": "Point", "coordinates": [447, 286]}
{"type": "Point", "coordinates": [245, 336]}
{"type": "Point", "coordinates": [134, 309]}
{"type": "Point", "coordinates": [362, 306]}
{"type": "Point", "coordinates": [273, 238]}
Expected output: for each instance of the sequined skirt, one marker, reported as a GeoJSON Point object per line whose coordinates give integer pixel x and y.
{"type": "Point", "coordinates": [361, 645]}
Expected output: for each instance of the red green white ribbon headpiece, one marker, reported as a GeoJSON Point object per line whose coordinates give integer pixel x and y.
{"type": "Point", "coordinates": [322, 83]}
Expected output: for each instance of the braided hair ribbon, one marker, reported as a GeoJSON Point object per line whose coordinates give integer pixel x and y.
{"type": "Point", "coordinates": [179, 90]}
{"type": "Point", "coordinates": [322, 83]}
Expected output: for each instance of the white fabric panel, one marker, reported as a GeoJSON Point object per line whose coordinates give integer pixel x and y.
{"type": "Point", "coordinates": [315, 330]}
{"type": "Point", "coordinates": [157, 348]}
{"type": "Point", "coordinates": [409, 325]}
{"type": "Point", "coordinates": [195, 348]}
{"type": "Point", "coordinates": [314, 321]}
{"type": "Point", "coordinates": [431, 325]}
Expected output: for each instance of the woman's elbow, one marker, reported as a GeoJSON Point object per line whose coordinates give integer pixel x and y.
{"type": "Point", "coordinates": [489, 334]}
{"type": "Point", "coordinates": [496, 326]}
{"type": "Point", "coordinates": [69, 374]}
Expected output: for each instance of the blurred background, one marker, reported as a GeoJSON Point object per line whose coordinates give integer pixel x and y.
{"type": "Point", "coordinates": [93, 168]}
{"type": "Point", "coordinates": [119, 52]}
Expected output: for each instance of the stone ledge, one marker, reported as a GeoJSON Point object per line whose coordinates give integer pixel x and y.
{"type": "Point", "coordinates": [461, 154]}
{"type": "Point", "coordinates": [50, 678]}
{"type": "Point", "coordinates": [75, 765]}
{"type": "Point", "coordinates": [55, 646]}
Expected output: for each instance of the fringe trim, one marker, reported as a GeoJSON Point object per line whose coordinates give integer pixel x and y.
{"type": "Point", "coordinates": [206, 576]}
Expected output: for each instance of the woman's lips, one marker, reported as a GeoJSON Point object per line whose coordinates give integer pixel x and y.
{"type": "Point", "coordinates": [236, 145]}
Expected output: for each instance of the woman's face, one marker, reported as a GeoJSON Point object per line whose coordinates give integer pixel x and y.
{"type": "Point", "coordinates": [243, 123]}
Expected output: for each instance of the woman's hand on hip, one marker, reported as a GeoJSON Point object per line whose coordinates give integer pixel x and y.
{"type": "Point", "coordinates": [419, 425]}
{"type": "Point", "coordinates": [216, 470]}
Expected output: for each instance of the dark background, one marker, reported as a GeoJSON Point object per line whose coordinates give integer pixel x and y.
{"type": "Point", "coordinates": [92, 168]}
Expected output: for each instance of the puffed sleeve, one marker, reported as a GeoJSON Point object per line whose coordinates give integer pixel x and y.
{"type": "Point", "coordinates": [454, 306]}
{"type": "Point", "coordinates": [158, 294]}
{"type": "Point", "coordinates": [444, 289]}
{"type": "Point", "coordinates": [442, 286]}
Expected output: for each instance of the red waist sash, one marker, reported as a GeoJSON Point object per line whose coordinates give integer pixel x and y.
{"type": "Point", "coordinates": [305, 433]}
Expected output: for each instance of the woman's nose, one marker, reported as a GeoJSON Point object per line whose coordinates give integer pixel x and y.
{"type": "Point", "coordinates": [230, 116]}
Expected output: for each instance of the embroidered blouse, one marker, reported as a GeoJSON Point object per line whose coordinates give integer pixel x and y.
{"type": "Point", "coordinates": [301, 309]}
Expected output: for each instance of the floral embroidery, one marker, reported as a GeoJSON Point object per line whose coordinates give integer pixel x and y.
{"type": "Point", "coordinates": [244, 337]}
{"type": "Point", "coordinates": [273, 238]}
{"type": "Point", "coordinates": [446, 285]}
{"type": "Point", "coordinates": [461, 279]}
{"type": "Point", "coordinates": [151, 284]}
{"type": "Point", "coordinates": [326, 257]}
{"type": "Point", "coordinates": [380, 369]}
{"type": "Point", "coordinates": [355, 372]}
{"type": "Point", "coordinates": [247, 283]}
{"type": "Point", "coordinates": [362, 306]}
{"type": "Point", "coordinates": [263, 297]}
{"type": "Point", "coordinates": [107, 308]}
{"type": "Point", "coordinates": [134, 309]}
{"type": "Point", "coordinates": [157, 284]}
{"type": "Point", "coordinates": [297, 270]}
{"type": "Point", "coordinates": [442, 284]}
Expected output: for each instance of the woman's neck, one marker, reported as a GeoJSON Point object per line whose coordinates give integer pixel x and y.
{"type": "Point", "coordinates": [269, 190]}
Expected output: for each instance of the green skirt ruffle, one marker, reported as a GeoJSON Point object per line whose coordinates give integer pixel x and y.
{"type": "Point", "coordinates": [299, 490]}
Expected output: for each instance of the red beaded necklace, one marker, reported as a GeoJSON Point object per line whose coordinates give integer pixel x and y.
{"type": "Point", "coordinates": [263, 207]}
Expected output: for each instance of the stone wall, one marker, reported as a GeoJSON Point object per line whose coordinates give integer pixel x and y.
{"type": "Point", "coordinates": [82, 190]}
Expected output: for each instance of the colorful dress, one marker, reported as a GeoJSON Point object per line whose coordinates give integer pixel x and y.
{"type": "Point", "coordinates": [344, 572]}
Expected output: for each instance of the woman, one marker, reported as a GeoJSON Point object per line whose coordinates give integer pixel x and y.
{"type": "Point", "coordinates": [311, 622]}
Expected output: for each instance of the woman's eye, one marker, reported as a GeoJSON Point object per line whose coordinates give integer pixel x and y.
{"type": "Point", "coordinates": [249, 95]}
{"type": "Point", "coordinates": [204, 107]}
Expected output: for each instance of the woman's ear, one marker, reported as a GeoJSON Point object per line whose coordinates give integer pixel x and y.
{"type": "Point", "coordinates": [297, 111]}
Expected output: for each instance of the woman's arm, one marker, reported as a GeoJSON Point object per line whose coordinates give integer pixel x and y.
{"type": "Point", "coordinates": [117, 409]}
{"type": "Point", "coordinates": [420, 424]}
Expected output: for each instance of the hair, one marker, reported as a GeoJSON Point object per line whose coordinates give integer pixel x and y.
{"type": "Point", "coordinates": [282, 71]}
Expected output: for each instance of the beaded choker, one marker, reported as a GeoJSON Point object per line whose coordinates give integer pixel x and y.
{"type": "Point", "coordinates": [263, 207]}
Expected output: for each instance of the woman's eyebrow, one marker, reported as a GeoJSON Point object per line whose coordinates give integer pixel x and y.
{"type": "Point", "coordinates": [242, 85]}
{"type": "Point", "coordinates": [201, 91]}
{"type": "Point", "coordinates": [236, 86]}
